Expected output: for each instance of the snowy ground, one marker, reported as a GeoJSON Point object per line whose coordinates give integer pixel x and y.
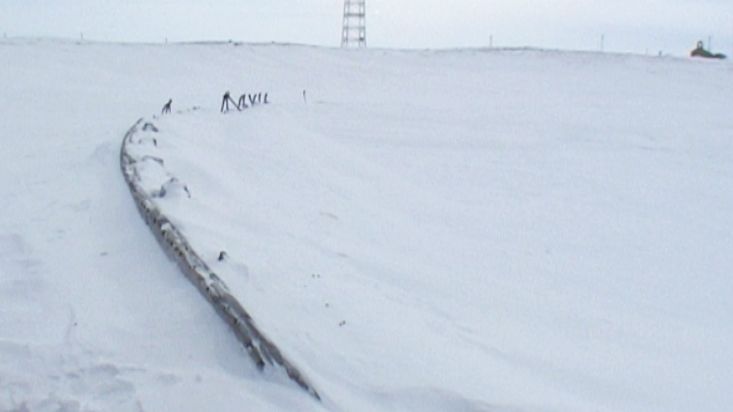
{"type": "Point", "coordinates": [461, 230]}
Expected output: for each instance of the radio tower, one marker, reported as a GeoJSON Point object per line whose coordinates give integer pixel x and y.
{"type": "Point", "coordinates": [354, 32]}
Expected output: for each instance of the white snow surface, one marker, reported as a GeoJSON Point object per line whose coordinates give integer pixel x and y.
{"type": "Point", "coordinates": [467, 230]}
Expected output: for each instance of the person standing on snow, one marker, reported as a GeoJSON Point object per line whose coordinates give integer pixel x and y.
{"type": "Point", "coordinates": [242, 102]}
{"type": "Point", "coordinates": [167, 107]}
{"type": "Point", "coordinates": [225, 102]}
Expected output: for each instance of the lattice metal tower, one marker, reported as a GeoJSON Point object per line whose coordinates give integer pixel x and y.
{"type": "Point", "coordinates": [354, 32]}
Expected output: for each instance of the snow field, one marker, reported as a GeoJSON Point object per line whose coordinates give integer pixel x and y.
{"type": "Point", "coordinates": [528, 230]}
{"type": "Point", "coordinates": [458, 230]}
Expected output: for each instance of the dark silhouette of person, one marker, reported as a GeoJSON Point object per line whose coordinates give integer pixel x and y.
{"type": "Point", "coordinates": [700, 51]}
{"type": "Point", "coordinates": [225, 102]}
{"type": "Point", "coordinates": [167, 107]}
{"type": "Point", "coordinates": [242, 104]}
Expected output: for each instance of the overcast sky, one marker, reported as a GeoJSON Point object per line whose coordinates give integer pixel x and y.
{"type": "Point", "coordinates": [672, 26]}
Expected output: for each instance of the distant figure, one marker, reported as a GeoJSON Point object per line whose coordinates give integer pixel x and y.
{"type": "Point", "coordinates": [701, 52]}
{"type": "Point", "coordinates": [304, 99]}
{"type": "Point", "coordinates": [242, 104]}
{"type": "Point", "coordinates": [167, 107]}
{"type": "Point", "coordinates": [225, 102]}
{"type": "Point", "coordinates": [266, 102]}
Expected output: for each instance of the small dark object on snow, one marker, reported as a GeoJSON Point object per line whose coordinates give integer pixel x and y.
{"type": "Point", "coordinates": [163, 191]}
{"type": "Point", "coordinates": [167, 107]}
{"type": "Point", "coordinates": [242, 104]}
{"type": "Point", "coordinates": [222, 255]}
{"type": "Point", "coordinates": [701, 52]}
{"type": "Point", "coordinates": [225, 102]}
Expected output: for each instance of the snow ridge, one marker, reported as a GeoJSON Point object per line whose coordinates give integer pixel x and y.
{"type": "Point", "coordinates": [261, 350]}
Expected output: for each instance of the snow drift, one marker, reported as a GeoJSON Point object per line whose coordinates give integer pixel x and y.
{"type": "Point", "coordinates": [261, 350]}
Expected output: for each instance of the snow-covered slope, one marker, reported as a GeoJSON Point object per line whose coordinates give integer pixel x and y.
{"type": "Point", "coordinates": [93, 316]}
{"type": "Point", "coordinates": [463, 230]}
